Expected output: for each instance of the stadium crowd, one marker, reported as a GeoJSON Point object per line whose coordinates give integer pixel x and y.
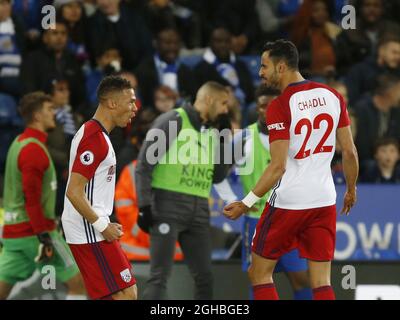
{"type": "Point", "coordinates": [168, 48]}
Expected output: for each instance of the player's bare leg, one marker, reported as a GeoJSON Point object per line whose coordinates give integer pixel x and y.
{"type": "Point", "coordinates": [126, 294]}
{"type": "Point", "coordinates": [320, 279]}
{"type": "Point", "coordinates": [260, 274]}
{"type": "Point", "coordinates": [300, 282]}
{"type": "Point", "coordinates": [76, 288]}
{"type": "Point", "coordinates": [5, 289]}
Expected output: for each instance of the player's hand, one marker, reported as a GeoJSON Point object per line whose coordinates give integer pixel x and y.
{"type": "Point", "coordinates": [350, 199]}
{"type": "Point", "coordinates": [235, 210]}
{"type": "Point", "coordinates": [145, 218]}
{"type": "Point", "coordinates": [112, 232]}
{"type": "Point", "coordinates": [46, 249]}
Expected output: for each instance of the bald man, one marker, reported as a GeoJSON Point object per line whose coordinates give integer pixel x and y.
{"type": "Point", "coordinates": [174, 175]}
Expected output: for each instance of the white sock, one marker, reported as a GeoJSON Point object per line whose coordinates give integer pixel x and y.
{"type": "Point", "coordinates": [75, 297]}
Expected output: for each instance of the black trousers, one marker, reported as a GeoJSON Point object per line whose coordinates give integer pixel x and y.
{"type": "Point", "coordinates": [194, 239]}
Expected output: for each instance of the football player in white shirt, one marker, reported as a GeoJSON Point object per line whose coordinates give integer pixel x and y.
{"type": "Point", "coordinates": [304, 123]}
{"type": "Point", "coordinates": [89, 197]}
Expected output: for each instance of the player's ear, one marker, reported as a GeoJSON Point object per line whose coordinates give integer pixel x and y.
{"type": "Point", "coordinates": [111, 104]}
{"type": "Point", "coordinates": [208, 99]}
{"type": "Point", "coordinates": [281, 67]}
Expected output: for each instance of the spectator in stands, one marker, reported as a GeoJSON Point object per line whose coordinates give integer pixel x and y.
{"type": "Point", "coordinates": [30, 12]}
{"type": "Point", "coordinates": [161, 14]}
{"type": "Point", "coordinates": [315, 34]}
{"type": "Point", "coordinates": [73, 14]}
{"type": "Point", "coordinates": [131, 77]}
{"type": "Point", "coordinates": [164, 68]}
{"type": "Point", "coordinates": [121, 25]}
{"type": "Point", "coordinates": [378, 115]}
{"type": "Point", "coordinates": [108, 61]}
{"type": "Point", "coordinates": [238, 17]}
{"type": "Point", "coordinates": [164, 99]}
{"type": "Point", "coordinates": [52, 61]}
{"type": "Point", "coordinates": [385, 168]}
{"type": "Point", "coordinates": [273, 23]}
{"type": "Point", "coordinates": [354, 45]}
{"type": "Point", "coordinates": [363, 76]}
{"type": "Point", "coordinates": [336, 165]}
{"type": "Point", "coordinates": [12, 44]}
{"type": "Point", "coordinates": [131, 148]}
{"type": "Point", "coordinates": [59, 139]}
{"type": "Point", "coordinates": [220, 64]}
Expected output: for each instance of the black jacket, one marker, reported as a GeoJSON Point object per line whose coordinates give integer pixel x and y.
{"type": "Point", "coordinates": [368, 127]}
{"type": "Point", "coordinates": [353, 46]}
{"type": "Point", "coordinates": [205, 71]}
{"type": "Point", "coordinates": [130, 35]}
{"type": "Point", "coordinates": [148, 80]}
{"type": "Point", "coordinates": [40, 67]}
{"type": "Point", "coordinates": [362, 78]}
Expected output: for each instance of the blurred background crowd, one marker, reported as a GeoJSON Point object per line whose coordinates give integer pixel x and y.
{"type": "Point", "coordinates": [169, 48]}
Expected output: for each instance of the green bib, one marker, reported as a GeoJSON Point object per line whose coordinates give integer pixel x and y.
{"type": "Point", "coordinates": [258, 158]}
{"type": "Point", "coordinates": [188, 166]}
{"type": "Point", "coordinates": [14, 200]}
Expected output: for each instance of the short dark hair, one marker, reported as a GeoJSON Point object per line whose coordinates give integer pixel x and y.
{"type": "Point", "coordinates": [386, 141]}
{"type": "Point", "coordinates": [31, 103]}
{"type": "Point", "coordinates": [387, 38]}
{"type": "Point", "coordinates": [111, 84]}
{"type": "Point", "coordinates": [266, 91]}
{"type": "Point", "coordinates": [283, 50]}
{"type": "Point", "coordinates": [385, 82]}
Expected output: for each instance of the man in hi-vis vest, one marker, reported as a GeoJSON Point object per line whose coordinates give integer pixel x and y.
{"type": "Point", "coordinates": [134, 242]}
{"type": "Point", "coordinates": [174, 175]}
{"type": "Point", "coordinates": [30, 236]}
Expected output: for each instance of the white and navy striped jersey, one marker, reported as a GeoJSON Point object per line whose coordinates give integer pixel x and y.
{"type": "Point", "coordinates": [92, 156]}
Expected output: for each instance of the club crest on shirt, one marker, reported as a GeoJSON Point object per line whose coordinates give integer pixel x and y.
{"type": "Point", "coordinates": [111, 172]}
{"type": "Point", "coordinates": [87, 158]}
{"type": "Point", "coordinates": [126, 275]}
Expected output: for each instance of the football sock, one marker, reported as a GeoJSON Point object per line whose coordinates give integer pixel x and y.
{"type": "Point", "coordinates": [265, 292]}
{"type": "Point", "coordinates": [323, 293]}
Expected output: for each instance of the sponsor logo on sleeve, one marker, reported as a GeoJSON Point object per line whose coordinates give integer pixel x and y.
{"type": "Point", "coordinates": [87, 158]}
{"type": "Point", "coordinates": [276, 126]}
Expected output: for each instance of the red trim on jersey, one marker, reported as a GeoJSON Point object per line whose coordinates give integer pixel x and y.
{"type": "Point", "coordinates": [92, 150]}
{"type": "Point", "coordinates": [32, 162]}
{"type": "Point", "coordinates": [278, 112]}
{"type": "Point", "coordinates": [278, 121]}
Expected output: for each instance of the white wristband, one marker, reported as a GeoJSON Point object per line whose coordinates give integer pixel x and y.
{"type": "Point", "coordinates": [250, 199]}
{"type": "Point", "coordinates": [100, 224]}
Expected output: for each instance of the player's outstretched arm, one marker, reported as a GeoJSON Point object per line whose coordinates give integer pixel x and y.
{"type": "Point", "coordinates": [279, 151]}
{"type": "Point", "coordinates": [350, 166]}
{"type": "Point", "coordinates": [76, 195]}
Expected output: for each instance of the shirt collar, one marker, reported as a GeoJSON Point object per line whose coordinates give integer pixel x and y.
{"type": "Point", "coordinates": [298, 83]}
{"type": "Point", "coordinates": [210, 57]}
{"type": "Point", "coordinates": [37, 134]}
